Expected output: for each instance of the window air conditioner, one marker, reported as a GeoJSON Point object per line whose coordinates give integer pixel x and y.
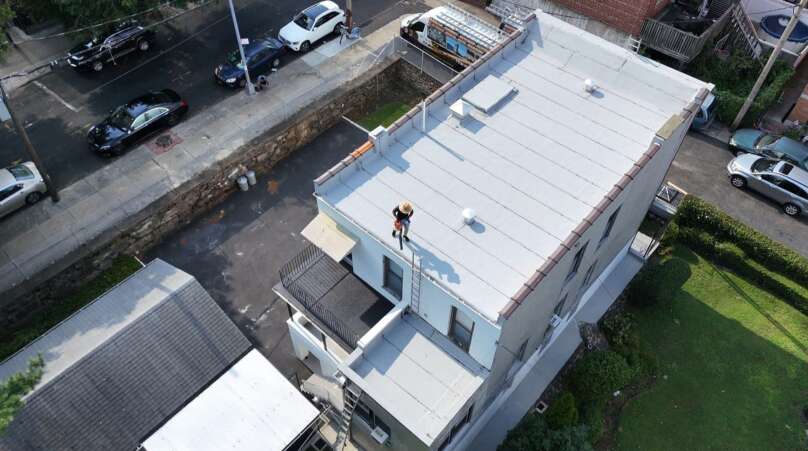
{"type": "Point", "coordinates": [379, 435]}
{"type": "Point", "coordinates": [555, 320]}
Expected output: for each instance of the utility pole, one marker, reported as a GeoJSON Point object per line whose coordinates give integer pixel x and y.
{"type": "Point", "coordinates": [250, 87]}
{"type": "Point", "coordinates": [52, 191]}
{"type": "Point", "coordinates": [795, 17]}
{"type": "Point", "coordinates": [349, 14]}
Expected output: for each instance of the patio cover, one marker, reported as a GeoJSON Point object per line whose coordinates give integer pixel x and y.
{"type": "Point", "coordinates": [325, 234]}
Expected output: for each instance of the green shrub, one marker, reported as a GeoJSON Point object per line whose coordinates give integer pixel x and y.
{"type": "Point", "coordinates": [699, 215]}
{"type": "Point", "coordinates": [643, 290]}
{"type": "Point", "coordinates": [532, 434]}
{"type": "Point", "coordinates": [562, 412]}
{"type": "Point", "coordinates": [619, 330]}
{"type": "Point", "coordinates": [599, 374]}
{"type": "Point", "coordinates": [671, 234]}
{"type": "Point", "coordinates": [592, 417]}
{"type": "Point", "coordinates": [643, 364]}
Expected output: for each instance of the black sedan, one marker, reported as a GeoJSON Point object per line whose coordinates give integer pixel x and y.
{"type": "Point", "coordinates": [108, 47]}
{"type": "Point", "coordinates": [138, 119]}
{"type": "Point", "coordinates": [261, 55]}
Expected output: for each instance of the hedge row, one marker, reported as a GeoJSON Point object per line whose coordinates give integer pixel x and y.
{"type": "Point", "coordinates": [697, 214]}
{"type": "Point", "coordinates": [733, 258]}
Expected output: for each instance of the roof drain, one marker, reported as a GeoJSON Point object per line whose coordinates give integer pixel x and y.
{"type": "Point", "coordinates": [469, 216]}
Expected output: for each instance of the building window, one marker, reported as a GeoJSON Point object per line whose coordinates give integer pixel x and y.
{"type": "Point", "coordinates": [456, 428]}
{"type": "Point", "coordinates": [588, 276]}
{"type": "Point", "coordinates": [461, 327]}
{"type": "Point", "coordinates": [560, 306]}
{"type": "Point", "coordinates": [520, 354]}
{"type": "Point", "coordinates": [368, 417]}
{"type": "Point", "coordinates": [576, 262]}
{"type": "Point", "coordinates": [393, 278]}
{"type": "Point", "coordinates": [609, 225]}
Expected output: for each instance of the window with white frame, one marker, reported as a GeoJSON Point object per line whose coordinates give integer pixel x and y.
{"type": "Point", "coordinates": [461, 328]}
{"type": "Point", "coordinates": [560, 306]}
{"type": "Point", "coordinates": [576, 262]}
{"type": "Point", "coordinates": [609, 225]}
{"type": "Point", "coordinates": [520, 354]}
{"type": "Point", "coordinates": [370, 418]}
{"type": "Point", "coordinates": [456, 428]}
{"type": "Point", "coordinates": [393, 277]}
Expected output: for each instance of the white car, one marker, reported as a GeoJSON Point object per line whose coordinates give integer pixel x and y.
{"type": "Point", "coordinates": [314, 23]}
{"type": "Point", "coordinates": [19, 185]}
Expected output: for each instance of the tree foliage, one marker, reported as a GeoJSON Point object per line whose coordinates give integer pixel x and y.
{"type": "Point", "coordinates": [533, 434]}
{"type": "Point", "coordinates": [562, 412]}
{"type": "Point", "coordinates": [15, 388]}
{"type": "Point", "coordinates": [600, 373]}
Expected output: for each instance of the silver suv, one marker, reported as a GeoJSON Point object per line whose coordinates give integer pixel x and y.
{"type": "Point", "coordinates": [780, 181]}
{"type": "Point", "coordinates": [19, 185]}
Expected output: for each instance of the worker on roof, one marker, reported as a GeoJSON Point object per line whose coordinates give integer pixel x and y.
{"type": "Point", "coordinates": [403, 212]}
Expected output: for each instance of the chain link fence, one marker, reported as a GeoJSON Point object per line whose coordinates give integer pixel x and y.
{"type": "Point", "coordinates": [427, 63]}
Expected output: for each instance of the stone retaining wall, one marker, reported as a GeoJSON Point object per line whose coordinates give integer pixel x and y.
{"type": "Point", "coordinates": [189, 200]}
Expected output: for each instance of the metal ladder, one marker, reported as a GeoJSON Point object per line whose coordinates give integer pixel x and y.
{"type": "Point", "coordinates": [511, 15]}
{"type": "Point", "coordinates": [483, 32]}
{"type": "Point", "coordinates": [745, 31]}
{"type": "Point", "coordinates": [349, 400]}
{"type": "Point", "coordinates": [415, 286]}
{"type": "Point", "coordinates": [634, 44]}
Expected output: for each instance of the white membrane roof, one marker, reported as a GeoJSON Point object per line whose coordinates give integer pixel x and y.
{"type": "Point", "coordinates": [532, 167]}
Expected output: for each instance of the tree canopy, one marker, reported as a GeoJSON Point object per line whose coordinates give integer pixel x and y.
{"type": "Point", "coordinates": [15, 388]}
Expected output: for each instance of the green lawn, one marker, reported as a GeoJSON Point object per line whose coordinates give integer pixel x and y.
{"type": "Point", "coordinates": [40, 323]}
{"type": "Point", "coordinates": [385, 114]}
{"type": "Point", "coordinates": [733, 366]}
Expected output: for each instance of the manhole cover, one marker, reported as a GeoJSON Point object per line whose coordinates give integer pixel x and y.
{"type": "Point", "coordinates": [164, 141]}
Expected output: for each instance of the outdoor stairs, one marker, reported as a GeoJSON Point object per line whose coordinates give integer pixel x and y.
{"type": "Point", "coordinates": [634, 44]}
{"type": "Point", "coordinates": [351, 396]}
{"type": "Point", "coordinates": [415, 286]}
{"type": "Point", "coordinates": [742, 33]}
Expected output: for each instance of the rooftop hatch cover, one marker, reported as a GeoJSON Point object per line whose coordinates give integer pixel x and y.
{"type": "Point", "coordinates": [488, 93]}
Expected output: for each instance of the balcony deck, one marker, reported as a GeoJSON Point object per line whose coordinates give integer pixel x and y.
{"type": "Point", "coordinates": [340, 303]}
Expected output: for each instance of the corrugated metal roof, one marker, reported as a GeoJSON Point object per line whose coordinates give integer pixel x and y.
{"type": "Point", "coordinates": [163, 350]}
{"type": "Point", "coordinates": [532, 169]}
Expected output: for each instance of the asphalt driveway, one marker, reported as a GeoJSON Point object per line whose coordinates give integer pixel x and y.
{"type": "Point", "coordinates": [236, 249]}
{"type": "Point", "coordinates": [700, 169]}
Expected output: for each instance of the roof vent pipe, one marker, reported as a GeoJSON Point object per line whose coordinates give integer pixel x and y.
{"type": "Point", "coordinates": [589, 85]}
{"type": "Point", "coordinates": [469, 216]}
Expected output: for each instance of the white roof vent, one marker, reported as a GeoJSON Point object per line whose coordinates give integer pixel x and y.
{"type": "Point", "coordinates": [469, 216]}
{"type": "Point", "coordinates": [460, 109]}
{"type": "Point", "coordinates": [590, 85]}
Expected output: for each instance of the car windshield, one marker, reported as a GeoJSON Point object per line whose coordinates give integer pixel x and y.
{"type": "Point", "coordinates": [20, 172]}
{"type": "Point", "coordinates": [234, 59]}
{"type": "Point", "coordinates": [303, 21]}
{"type": "Point", "coordinates": [765, 140]}
{"type": "Point", "coordinates": [763, 165]}
{"type": "Point", "coordinates": [121, 118]}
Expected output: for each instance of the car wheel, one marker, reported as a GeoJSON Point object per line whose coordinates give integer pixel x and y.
{"type": "Point", "coordinates": [242, 83]}
{"type": "Point", "coordinates": [791, 209]}
{"type": "Point", "coordinates": [305, 46]}
{"type": "Point", "coordinates": [173, 119]}
{"type": "Point", "coordinates": [143, 45]}
{"type": "Point", "coordinates": [276, 62]}
{"type": "Point", "coordinates": [98, 66]}
{"type": "Point", "coordinates": [33, 198]}
{"type": "Point", "coordinates": [738, 181]}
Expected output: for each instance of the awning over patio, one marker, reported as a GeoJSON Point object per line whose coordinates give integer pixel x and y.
{"type": "Point", "coordinates": [325, 234]}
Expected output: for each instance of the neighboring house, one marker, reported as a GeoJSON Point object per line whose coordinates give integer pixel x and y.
{"type": "Point", "coordinates": [423, 339]}
{"type": "Point", "coordinates": [154, 362]}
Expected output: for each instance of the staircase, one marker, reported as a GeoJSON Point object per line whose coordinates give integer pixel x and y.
{"type": "Point", "coordinates": [415, 286]}
{"type": "Point", "coordinates": [634, 44]}
{"type": "Point", "coordinates": [350, 396]}
{"type": "Point", "coordinates": [742, 33]}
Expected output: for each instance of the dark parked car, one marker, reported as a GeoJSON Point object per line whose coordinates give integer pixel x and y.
{"type": "Point", "coordinates": [768, 145]}
{"type": "Point", "coordinates": [261, 55]}
{"type": "Point", "coordinates": [108, 47]}
{"type": "Point", "coordinates": [136, 120]}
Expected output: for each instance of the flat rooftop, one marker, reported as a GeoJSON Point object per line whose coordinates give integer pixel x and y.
{"type": "Point", "coordinates": [532, 166]}
{"type": "Point", "coordinates": [252, 406]}
{"type": "Point", "coordinates": [413, 370]}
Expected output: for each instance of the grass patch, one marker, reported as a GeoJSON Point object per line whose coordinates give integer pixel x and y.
{"type": "Point", "coordinates": [732, 365]}
{"type": "Point", "coordinates": [41, 322]}
{"type": "Point", "coordinates": [385, 114]}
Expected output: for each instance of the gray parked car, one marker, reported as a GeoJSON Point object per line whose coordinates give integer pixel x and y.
{"type": "Point", "coordinates": [780, 181]}
{"type": "Point", "coordinates": [19, 185]}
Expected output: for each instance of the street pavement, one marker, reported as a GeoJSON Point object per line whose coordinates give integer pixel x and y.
{"type": "Point", "coordinates": [700, 169]}
{"type": "Point", "coordinates": [58, 108]}
{"type": "Point", "coordinates": [236, 249]}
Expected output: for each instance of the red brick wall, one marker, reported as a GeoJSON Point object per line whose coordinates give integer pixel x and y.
{"type": "Point", "coordinates": [800, 111]}
{"type": "Point", "coordinates": [625, 15]}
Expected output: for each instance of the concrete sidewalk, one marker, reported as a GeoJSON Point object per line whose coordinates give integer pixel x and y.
{"type": "Point", "coordinates": [45, 239]}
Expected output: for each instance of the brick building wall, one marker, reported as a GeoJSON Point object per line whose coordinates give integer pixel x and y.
{"type": "Point", "coordinates": [800, 111]}
{"type": "Point", "coordinates": [625, 15]}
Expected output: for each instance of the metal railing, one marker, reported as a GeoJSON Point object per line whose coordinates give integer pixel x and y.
{"type": "Point", "coordinates": [290, 274]}
{"type": "Point", "coordinates": [421, 59]}
{"type": "Point", "coordinates": [682, 45]}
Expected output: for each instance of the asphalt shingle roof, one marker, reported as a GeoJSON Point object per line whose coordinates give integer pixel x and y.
{"type": "Point", "coordinates": [115, 395]}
